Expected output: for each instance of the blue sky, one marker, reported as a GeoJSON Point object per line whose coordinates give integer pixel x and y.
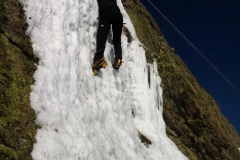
{"type": "Point", "coordinates": [214, 28]}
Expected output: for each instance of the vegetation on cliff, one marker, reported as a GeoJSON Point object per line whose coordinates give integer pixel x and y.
{"type": "Point", "coordinates": [17, 127]}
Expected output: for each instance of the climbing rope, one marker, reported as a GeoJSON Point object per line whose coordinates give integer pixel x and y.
{"type": "Point", "coordinates": [195, 48]}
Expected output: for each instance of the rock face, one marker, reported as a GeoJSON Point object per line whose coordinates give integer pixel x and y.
{"type": "Point", "coordinates": [17, 128]}
{"type": "Point", "coordinates": [194, 120]}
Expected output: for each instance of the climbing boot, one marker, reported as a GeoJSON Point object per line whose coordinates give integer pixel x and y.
{"type": "Point", "coordinates": [117, 63]}
{"type": "Point", "coordinates": [98, 64]}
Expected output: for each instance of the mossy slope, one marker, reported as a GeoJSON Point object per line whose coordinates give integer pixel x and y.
{"type": "Point", "coordinates": [17, 126]}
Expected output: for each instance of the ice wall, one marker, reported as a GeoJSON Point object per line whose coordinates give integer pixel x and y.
{"type": "Point", "coordinates": [83, 116]}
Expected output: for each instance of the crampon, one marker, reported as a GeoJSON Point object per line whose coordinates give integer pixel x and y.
{"type": "Point", "coordinates": [101, 63]}
{"type": "Point", "coordinates": [117, 63]}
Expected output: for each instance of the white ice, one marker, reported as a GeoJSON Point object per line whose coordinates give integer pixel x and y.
{"type": "Point", "coordinates": [87, 117]}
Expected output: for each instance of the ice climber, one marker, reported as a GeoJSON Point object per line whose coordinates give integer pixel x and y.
{"type": "Point", "coordinates": [109, 15]}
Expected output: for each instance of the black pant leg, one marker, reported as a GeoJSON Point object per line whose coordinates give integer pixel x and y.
{"type": "Point", "coordinates": [117, 32]}
{"type": "Point", "coordinates": [102, 33]}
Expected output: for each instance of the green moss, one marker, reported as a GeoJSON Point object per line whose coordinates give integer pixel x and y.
{"type": "Point", "coordinates": [17, 126]}
{"type": "Point", "coordinates": [8, 151]}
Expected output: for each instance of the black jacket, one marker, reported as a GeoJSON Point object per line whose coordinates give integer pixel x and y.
{"type": "Point", "coordinates": [106, 4]}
